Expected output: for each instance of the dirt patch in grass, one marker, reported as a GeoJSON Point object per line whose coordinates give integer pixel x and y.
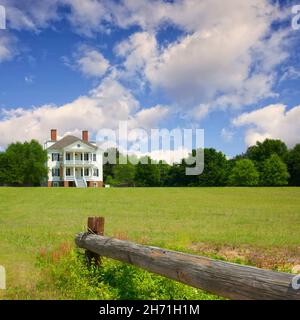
{"type": "Point", "coordinates": [280, 259]}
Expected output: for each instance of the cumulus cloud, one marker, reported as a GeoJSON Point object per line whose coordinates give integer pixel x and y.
{"type": "Point", "coordinates": [227, 56]}
{"type": "Point", "coordinates": [273, 121]}
{"type": "Point", "coordinates": [102, 107]}
{"type": "Point", "coordinates": [151, 117]}
{"type": "Point", "coordinates": [90, 62]}
{"type": "Point", "coordinates": [137, 50]}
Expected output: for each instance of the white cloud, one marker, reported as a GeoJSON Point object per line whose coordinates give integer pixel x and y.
{"type": "Point", "coordinates": [273, 121]}
{"type": "Point", "coordinates": [90, 62]}
{"type": "Point", "coordinates": [138, 50]}
{"type": "Point", "coordinates": [227, 58]}
{"type": "Point", "coordinates": [151, 117]}
{"type": "Point", "coordinates": [88, 16]}
{"type": "Point", "coordinates": [103, 107]}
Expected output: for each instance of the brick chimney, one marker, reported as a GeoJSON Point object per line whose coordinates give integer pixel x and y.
{"type": "Point", "coordinates": [85, 135]}
{"type": "Point", "coordinates": [53, 135]}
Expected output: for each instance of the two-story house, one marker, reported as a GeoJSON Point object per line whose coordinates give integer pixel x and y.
{"type": "Point", "coordinates": [74, 162]}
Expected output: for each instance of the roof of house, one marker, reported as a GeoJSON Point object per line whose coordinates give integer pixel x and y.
{"type": "Point", "coordinates": [66, 141]}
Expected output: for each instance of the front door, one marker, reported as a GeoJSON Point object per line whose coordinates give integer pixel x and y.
{"type": "Point", "coordinates": [78, 173]}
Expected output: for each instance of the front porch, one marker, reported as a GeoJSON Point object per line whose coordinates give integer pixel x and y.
{"type": "Point", "coordinates": [79, 158]}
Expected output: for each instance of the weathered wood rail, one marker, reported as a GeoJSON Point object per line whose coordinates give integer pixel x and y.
{"type": "Point", "coordinates": [225, 279]}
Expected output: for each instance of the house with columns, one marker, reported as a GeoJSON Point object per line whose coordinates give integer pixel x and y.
{"type": "Point", "coordinates": [74, 162]}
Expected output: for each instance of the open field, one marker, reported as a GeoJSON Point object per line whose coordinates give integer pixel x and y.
{"type": "Point", "coordinates": [196, 219]}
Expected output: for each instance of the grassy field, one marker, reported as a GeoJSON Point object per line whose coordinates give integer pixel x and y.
{"type": "Point", "coordinates": [34, 219]}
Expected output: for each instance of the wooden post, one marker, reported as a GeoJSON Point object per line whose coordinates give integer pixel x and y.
{"type": "Point", "coordinates": [95, 225]}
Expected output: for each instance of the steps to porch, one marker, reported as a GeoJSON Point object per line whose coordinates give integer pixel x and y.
{"type": "Point", "coordinates": [80, 183]}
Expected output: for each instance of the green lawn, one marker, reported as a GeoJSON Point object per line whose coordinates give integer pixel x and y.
{"type": "Point", "coordinates": [36, 218]}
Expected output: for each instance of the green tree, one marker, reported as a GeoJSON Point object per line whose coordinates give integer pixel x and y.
{"type": "Point", "coordinates": [4, 169]}
{"type": "Point", "coordinates": [243, 173]}
{"type": "Point", "coordinates": [263, 151]}
{"type": "Point", "coordinates": [164, 170]}
{"type": "Point", "coordinates": [26, 163]}
{"type": "Point", "coordinates": [124, 174]}
{"type": "Point", "coordinates": [176, 176]}
{"type": "Point", "coordinates": [108, 164]}
{"type": "Point", "coordinates": [215, 171]}
{"type": "Point", "coordinates": [293, 163]}
{"type": "Point", "coordinates": [15, 154]}
{"type": "Point", "coordinates": [274, 172]}
{"type": "Point", "coordinates": [147, 174]}
{"type": "Point", "coordinates": [35, 163]}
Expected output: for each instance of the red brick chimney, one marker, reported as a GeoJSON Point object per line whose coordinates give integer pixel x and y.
{"type": "Point", "coordinates": [85, 135]}
{"type": "Point", "coordinates": [53, 134]}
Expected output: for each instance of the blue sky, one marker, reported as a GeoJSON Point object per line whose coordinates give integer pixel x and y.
{"type": "Point", "coordinates": [229, 67]}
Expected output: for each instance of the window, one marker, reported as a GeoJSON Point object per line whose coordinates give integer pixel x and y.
{"type": "Point", "coordinates": [94, 157]}
{"type": "Point", "coordinates": [96, 172]}
{"type": "Point", "coordinates": [55, 156]}
{"type": "Point", "coordinates": [86, 157]}
{"type": "Point", "coordinates": [55, 172]}
{"type": "Point", "coordinates": [86, 172]}
{"type": "Point", "coordinates": [68, 156]}
{"type": "Point", "coordinates": [68, 172]}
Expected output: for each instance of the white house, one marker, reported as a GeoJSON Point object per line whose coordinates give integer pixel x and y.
{"type": "Point", "coordinates": [74, 162]}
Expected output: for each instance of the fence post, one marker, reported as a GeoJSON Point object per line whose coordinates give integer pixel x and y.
{"type": "Point", "coordinates": [95, 225]}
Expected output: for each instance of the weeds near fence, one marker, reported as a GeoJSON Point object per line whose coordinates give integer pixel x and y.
{"type": "Point", "coordinates": [65, 271]}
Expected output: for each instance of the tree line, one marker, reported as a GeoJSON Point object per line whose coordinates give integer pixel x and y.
{"type": "Point", "coordinates": [268, 163]}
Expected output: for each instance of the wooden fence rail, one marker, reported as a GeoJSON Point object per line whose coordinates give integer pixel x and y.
{"type": "Point", "coordinates": [225, 279]}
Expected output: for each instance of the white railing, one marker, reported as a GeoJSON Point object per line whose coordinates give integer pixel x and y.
{"type": "Point", "coordinates": [84, 180]}
{"type": "Point", "coordinates": [78, 162]}
{"type": "Point", "coordinates": [69, 178]}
